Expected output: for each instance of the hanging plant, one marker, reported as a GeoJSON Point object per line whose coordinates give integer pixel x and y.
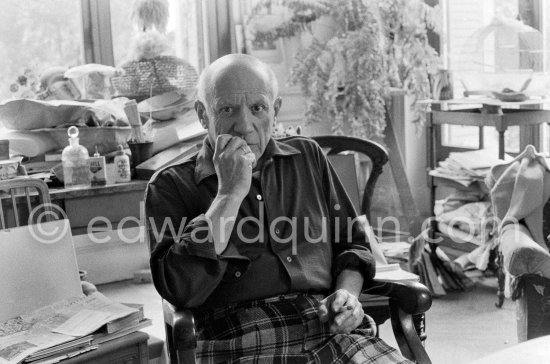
{"type": "Point", "coordinates": [410, 61]}
{"type": "Point", "coordinates": [344, 79]}
{"type": "Point", "coordinates": [270, 20]}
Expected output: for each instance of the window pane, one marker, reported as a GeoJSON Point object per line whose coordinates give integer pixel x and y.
{"type": "Point", "coordinates": [38, 34]}
{"type": "Point", "coordinates": [182, 31]}
{"type": "Point", "coordinates": [511, 139]}
{"type": "Point", "coordinates": [460, 136]}
{"type": "Point", "coordinates": [492, 45]}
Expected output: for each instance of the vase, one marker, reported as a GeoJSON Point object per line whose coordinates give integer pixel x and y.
{"type": "Point", "coordinates": [140, 152]}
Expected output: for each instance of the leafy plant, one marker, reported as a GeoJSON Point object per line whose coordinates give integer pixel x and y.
{"type": "Point", "coordinates": [378, 44]}
{"type": "Point", "coordinates": [270, 20]}
{"type": "Point", "coordinates": [411, 61]}
{"type": "Point", "coordinates": [344, 79]}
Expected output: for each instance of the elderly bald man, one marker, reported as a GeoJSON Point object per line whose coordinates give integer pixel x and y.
{"type": "Point", "coordinates": [255, 235]}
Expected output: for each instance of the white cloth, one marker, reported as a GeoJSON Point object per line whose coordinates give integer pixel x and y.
{"type": "Point", "coordinates": [519, 191]}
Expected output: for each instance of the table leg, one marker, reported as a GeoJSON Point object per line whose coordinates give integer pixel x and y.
{"type": "Point", "coordinates": [501, 280]}
{"type": "Point", "coordinates": [501, 144]}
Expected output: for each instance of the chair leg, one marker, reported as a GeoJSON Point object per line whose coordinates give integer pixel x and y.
{"type": "Point", "coordinates": [407, 339]}
{"type": "Point", "coordinates": [419, 322]}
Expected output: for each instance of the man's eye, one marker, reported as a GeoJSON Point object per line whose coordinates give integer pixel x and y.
{"type": "Point", "coordinates": [258, 108]}
{"type": "Point", "coordinates": [226, 109]}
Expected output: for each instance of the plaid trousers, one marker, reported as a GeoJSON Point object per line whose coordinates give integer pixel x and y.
{"type": "Point", "coordinates": [282, 330]}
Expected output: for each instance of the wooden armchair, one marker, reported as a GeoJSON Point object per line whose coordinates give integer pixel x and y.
{"type": "Point", "coordinates": [406, 301]}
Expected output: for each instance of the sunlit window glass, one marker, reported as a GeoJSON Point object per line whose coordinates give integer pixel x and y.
{"type": "Point", "coordinates": [182, 31]}
{"type": "Point", "coordinates": [36, 35]}
{"type": "Point", "coordinates": [495, 46]}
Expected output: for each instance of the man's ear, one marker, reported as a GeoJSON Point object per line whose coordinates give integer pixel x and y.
{"type": "Point", "coordinates": [200, 109]}
{"type": "Point", "coordinates": [277, 105]}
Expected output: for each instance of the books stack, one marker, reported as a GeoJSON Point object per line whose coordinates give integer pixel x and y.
{"type": "Point", "coordinates": [110, 331]}
{"type": "Point", "coordinates": [394, 273]}
{"type": "Point", "coordinates": [122, 326]}
{"type": "Point", "coordinates": [62, 351]}
{"type": "Point", "coordinates": [466, 168]}
{"type": "Point", "coordinates": [67, 328]}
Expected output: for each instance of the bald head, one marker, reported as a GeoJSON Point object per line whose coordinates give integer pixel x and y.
{"type": "Point", "coordinates": [239, 69]}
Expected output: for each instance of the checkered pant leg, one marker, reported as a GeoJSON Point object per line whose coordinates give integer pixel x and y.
{"type": "Point", "coordinates": [285, 331]}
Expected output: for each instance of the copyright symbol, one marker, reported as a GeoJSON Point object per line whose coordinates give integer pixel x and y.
{"type": "Point", "coordinates": [43, 232]}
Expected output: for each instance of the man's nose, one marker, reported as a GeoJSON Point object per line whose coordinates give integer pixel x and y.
{"type": "Point", "coordinates": [245, 123]}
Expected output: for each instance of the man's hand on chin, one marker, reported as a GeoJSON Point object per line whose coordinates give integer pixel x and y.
{"type": "Point", "coordinates": [342, 310]}
{"type": "Point", "coordinates": [233, 161]}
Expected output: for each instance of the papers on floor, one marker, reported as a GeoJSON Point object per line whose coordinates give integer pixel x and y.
{"type": "Point", "coordinates": [393, 273]}
{"type": "Point", "coordinates": [468, 167]}
{"type": "Point", "coordinates": [56, 328]}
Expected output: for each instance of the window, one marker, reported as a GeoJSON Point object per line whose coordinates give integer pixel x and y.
{"type": "Point", "coordinates": [183, 30]}
{"type": "Point", "coordinates": [37, 34]}
{"type": "Point", "coordinates": [492, 45]}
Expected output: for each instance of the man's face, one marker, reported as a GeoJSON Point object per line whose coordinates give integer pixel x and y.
{"type": "Point", "coordinates": [242, 105]}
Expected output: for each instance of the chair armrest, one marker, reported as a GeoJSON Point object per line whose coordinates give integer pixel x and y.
{"type": "Point", "coordinates": [406, 299]}
{"type": "Point", "coordinates": [411, 297]}
{"type": "Point", "coordinates": [183, 326]}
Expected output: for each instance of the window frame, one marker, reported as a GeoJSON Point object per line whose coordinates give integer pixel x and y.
{"type": "Point", "coordinates": [97, 39]}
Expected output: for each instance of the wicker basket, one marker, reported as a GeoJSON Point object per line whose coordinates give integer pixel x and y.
{"type": "Point", "coordinates": [164, 73]}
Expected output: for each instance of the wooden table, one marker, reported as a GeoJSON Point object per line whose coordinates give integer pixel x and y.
{"type": "Point", "coordinates": [484, 112]}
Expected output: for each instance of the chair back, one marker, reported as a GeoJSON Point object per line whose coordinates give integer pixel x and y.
{"type": "Point", "coordinates": [337, 145]}
{"type": "Point", "coordinates": [37, 261]}
{"type": "Point", "coordinates": [33, 191]}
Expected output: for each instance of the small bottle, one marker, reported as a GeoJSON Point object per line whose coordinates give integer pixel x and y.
{"type": "Point", "coordinates": [97, 167]}
{"type": "Point", "coordinates": [122, 166]}
{"type": "Point", "coordinates": [75, 161]}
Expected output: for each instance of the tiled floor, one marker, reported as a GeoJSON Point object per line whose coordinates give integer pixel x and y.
{"type": "Point", "coordinates": [461, 326]}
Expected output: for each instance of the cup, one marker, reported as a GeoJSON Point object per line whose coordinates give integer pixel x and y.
{"type": "Point", "coordinates": [4, 149]}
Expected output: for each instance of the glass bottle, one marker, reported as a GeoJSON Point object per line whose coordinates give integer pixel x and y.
{"type": "Point", "coordinates": [122, 166]}
{"type": "Point", "coordinates": [76, 164]}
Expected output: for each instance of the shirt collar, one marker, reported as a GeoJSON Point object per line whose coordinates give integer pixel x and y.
{"type": "Point", "coordinates": [205, 167]}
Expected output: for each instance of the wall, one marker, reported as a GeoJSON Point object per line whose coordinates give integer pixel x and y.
{"type": "Point", "coordinates": [411, 139]}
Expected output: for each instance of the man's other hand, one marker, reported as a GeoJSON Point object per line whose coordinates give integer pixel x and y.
{"type": "Point", "coordinates": [233, 161]}
{"type": "Point", "coordinates": [342, 310]}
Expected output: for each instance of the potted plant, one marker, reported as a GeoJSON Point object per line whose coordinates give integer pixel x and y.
{"type": "Point", "coordinates": [377, 44]}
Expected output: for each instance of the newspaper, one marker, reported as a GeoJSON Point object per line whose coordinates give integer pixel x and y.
{"type": "Point", "coordinates": [56, 324]}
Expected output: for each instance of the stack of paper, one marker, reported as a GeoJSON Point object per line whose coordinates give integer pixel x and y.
{"type": "Point", "coordinates": [64, 329]}
{"type": "Point", "coordinates": [468, 167]}
{"type": "Point", "coordinates": [393, 273]}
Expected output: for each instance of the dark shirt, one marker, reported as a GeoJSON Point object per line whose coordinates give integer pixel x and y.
{"type": "Point", "coordinates": [299, 242]}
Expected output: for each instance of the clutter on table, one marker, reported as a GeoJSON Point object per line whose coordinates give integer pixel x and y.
{"type": "Point", "coordinates": [45, 105]}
